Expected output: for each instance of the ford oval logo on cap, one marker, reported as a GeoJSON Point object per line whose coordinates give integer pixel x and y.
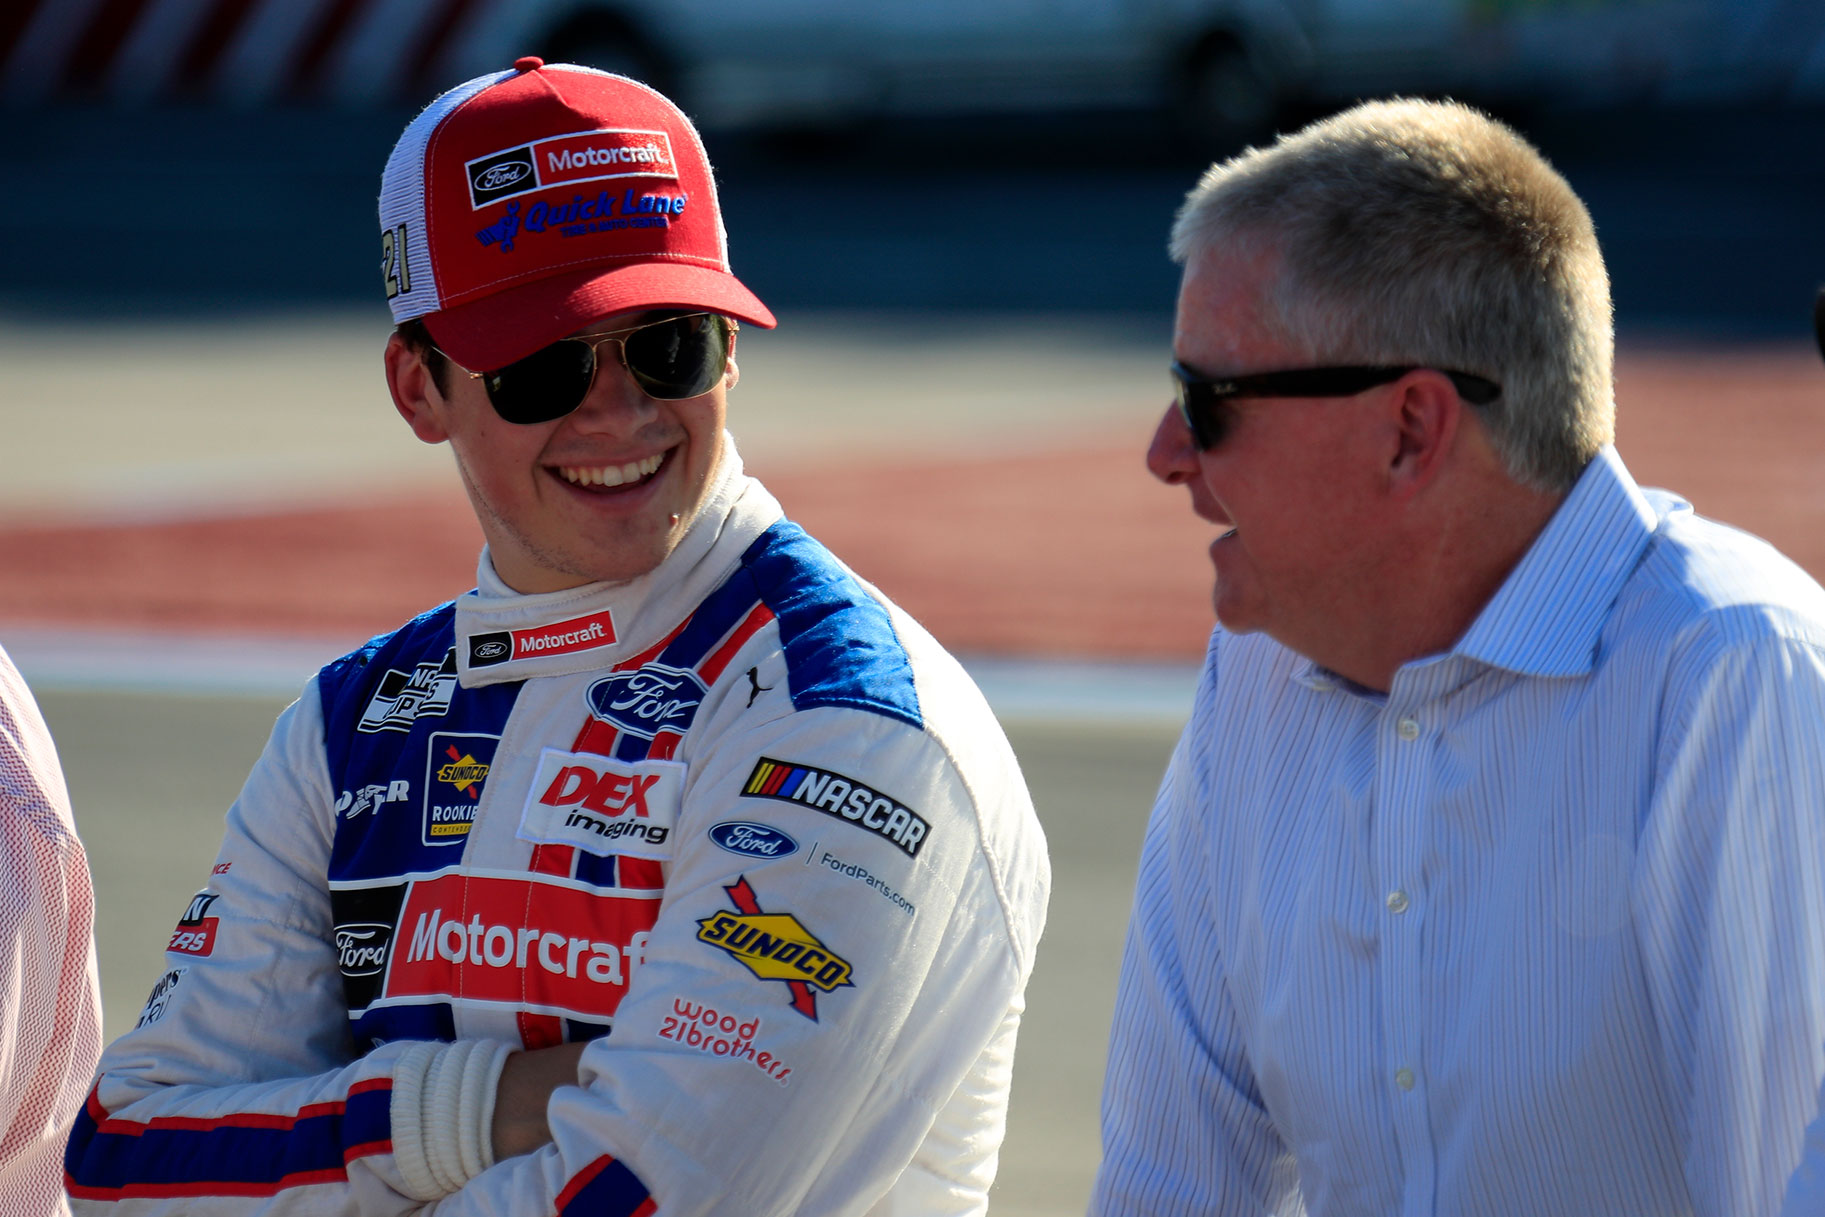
{"type": "Point", "coordinates": [501, 175]}
{"type": "Point", "coordinates": [753, 840]}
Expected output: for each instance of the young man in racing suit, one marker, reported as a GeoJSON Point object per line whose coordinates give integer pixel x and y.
{"type": "Point", "coordinates": [671, 771]}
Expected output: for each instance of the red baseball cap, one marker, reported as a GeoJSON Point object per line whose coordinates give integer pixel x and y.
{"type": "Point", "coordinates": [524, 205]}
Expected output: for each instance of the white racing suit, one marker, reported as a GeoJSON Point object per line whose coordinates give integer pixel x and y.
{"type": "Point", "coordinates": [741, 812]}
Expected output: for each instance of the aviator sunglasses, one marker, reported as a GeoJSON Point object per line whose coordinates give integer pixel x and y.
{"type": "Point", "coordinates": [679, 355]}
{"type": "Point", "coordinates": [1203, 400]}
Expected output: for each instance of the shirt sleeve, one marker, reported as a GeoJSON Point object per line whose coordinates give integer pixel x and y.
{"type": "Point", "coordinates": [814, 1006]}
{"type": "Point", "coordinates": [1730, 881]}
{"type": "Point", "coordinates": [240, 1085]}
{"type": "Point", "coordinates": [50, 1000]}
{"type": "Point", "coordinates": [1185, 1130]}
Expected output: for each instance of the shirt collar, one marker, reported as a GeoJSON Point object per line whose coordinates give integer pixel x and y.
{"type": "Point", "coordinates": [1548, 615]}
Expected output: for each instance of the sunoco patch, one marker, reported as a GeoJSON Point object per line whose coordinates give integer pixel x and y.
{"type": "Point", "coordinates": [776, 946]}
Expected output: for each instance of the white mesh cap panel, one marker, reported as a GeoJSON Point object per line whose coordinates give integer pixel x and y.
{"type": "Point", "coordinates": [414, 292]}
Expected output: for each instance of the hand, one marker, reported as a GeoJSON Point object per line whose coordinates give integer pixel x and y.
{"type": "Point", "coordinates": [527, 1080]}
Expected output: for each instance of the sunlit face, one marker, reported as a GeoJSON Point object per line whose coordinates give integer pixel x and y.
{"type": "Point", "coordinates": [602, 494]}
{"type": "Point", "coordinates": [1294, 484]}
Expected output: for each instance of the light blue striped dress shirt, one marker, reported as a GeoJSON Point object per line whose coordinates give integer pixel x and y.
{"type": "Point", "coordinates": [1541, 933]}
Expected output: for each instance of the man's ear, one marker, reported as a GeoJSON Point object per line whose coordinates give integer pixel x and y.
{"type": "Point", "coordinates": [732, 376]}
{"type": "Point", "coordinates": [415, 393]}
{"type": "Point", "coordinates": [1427, 414]}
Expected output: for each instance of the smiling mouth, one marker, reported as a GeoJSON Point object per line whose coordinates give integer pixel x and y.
{"type": "Point", "coordinates": [603, 478]}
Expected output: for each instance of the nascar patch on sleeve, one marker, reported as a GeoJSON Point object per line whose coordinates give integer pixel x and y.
{"type": "Point", "coordinates": [839, 795]}
{"type": "Point", "coordinates": [602, 805]}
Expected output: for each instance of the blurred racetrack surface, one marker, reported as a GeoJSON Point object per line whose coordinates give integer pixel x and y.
{"type": "Point", "coordinates": [204, 491]}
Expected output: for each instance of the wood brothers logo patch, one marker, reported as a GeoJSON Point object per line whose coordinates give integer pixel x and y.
{"type": "Point", "coordinates": [776, 946]}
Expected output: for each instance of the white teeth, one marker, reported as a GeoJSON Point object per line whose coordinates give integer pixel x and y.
{"type": "Point", "coordinates": [611, 475]}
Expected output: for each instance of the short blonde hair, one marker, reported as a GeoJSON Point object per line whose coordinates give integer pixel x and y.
{"type": "Point", "coordinates": [1427, 233]}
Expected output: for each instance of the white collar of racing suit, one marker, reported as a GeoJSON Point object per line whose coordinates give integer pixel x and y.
{"type": "Point", "coordinates": [504, 635]}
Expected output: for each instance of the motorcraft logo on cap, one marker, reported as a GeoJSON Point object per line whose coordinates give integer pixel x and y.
{"type": "Point", "coordinates": [560, 160]}
{"type": "Point", "coordinates": [558, 638]}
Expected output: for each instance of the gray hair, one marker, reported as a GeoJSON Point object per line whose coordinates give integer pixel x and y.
{"type": "Point", "coordinates": [1427, 233]}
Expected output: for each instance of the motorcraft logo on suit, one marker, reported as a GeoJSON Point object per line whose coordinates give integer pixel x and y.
{"type": "Point", "coordinates": [558, 638]}
{"type": "Point", "coordinates": [527, 941]}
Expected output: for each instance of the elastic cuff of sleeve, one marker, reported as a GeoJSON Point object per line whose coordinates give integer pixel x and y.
{"type": "Point", "coordinates": [442, 1115]}
{"type": "Point", "coordinates": [458, 1111]}
{"type": "Point", "coordinates": [481, 1077]}
{"type": "Point", "coordinates": [407, 1115]}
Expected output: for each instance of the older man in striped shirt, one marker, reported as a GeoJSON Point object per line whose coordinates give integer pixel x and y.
{"type": "Point", "coordinates": [1489, 875]}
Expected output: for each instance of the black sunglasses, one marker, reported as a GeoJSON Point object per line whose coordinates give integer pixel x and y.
{"type": "Point", "coordinates": [676, 356]}
{"type": "Point", "coordinates": [1201, 399]}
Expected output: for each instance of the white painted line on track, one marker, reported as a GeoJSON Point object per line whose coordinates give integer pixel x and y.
{"type": "Point", "coordinates": [1026, 690]}
{"type": "Point", "coordinates": [213, 665]}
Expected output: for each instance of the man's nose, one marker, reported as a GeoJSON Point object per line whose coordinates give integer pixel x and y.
{"type": "Point", "coordinates": [615, 400]}
{"type": "Point", "coordinates": [1172, 457]}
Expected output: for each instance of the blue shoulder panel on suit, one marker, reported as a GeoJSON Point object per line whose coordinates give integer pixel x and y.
{"type": "Point", "coordinates": [840, 645]}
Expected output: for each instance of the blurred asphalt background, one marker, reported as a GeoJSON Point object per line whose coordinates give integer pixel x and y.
{"type": "Point", "coordinates": [974, 314]}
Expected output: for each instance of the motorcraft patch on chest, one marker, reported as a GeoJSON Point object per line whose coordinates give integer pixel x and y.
{"type": "Point", "coordinates": [839, 795]}
{"type": "Point", "coordinates": [602, 805]}
{"type": "Point", "coordinates": [776, 946]}
{"type": "Point", "coordinates": [556, 638]}
{"type": "Point", "coordinates": [526, 942]}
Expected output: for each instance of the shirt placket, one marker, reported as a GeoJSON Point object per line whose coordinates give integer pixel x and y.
{"type": "Point", "coordinates": [1405, 741]}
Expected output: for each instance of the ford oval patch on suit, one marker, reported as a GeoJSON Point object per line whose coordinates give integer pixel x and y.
{"type": "Point", "coordinates": [752, 840]}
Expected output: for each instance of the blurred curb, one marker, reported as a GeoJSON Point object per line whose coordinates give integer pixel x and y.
{"type": "Point", "coordinates": [248, 665]}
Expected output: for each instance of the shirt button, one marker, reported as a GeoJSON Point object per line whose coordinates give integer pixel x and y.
{"type": "Point", "coordinates": [1403, 1078]}
{"type": "Point", "coordinates": [1408, 728]}
{"type": "Point", "coordinates": [1397, 902]}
